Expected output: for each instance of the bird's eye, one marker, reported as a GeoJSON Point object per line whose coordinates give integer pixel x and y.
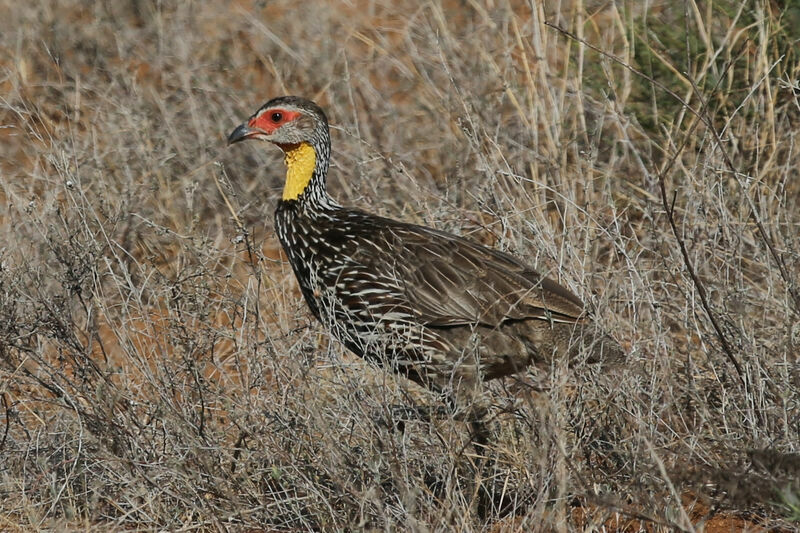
{"type": "Point", "coordinates": [276, 117]}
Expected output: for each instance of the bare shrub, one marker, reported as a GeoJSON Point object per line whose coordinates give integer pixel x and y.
{"type": "Point", "coordinates": [159, 371]}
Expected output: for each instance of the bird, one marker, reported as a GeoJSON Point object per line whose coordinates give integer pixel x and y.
{"type": "Point", "coordinates": [436, 308]}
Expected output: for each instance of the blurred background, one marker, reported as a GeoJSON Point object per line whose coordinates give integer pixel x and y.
{"type": "Point", "coordinates": [160, 371]}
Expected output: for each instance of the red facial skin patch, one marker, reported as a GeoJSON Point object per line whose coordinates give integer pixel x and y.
{"type": "Point", "coordinates": [271, 119]}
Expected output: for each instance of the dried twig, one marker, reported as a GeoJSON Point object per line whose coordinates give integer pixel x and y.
{"type": "Point", "coordinates": [702, 115]}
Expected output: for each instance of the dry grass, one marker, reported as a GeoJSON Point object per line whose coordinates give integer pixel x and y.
{"type": "Point", "coordinates": [158, 370]}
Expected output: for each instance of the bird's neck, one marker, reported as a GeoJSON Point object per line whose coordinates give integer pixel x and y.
{"type": "Point", "coordinates": [306, 171]}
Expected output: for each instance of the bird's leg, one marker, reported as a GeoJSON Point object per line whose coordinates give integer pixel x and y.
{"type": "Point", "coordinates": [479, 436]}
{"type": "Point", "coordinates": [466, 404]}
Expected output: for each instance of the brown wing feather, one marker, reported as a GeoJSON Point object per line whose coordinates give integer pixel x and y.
{"type": "Point", "coordinates": [452, 281]}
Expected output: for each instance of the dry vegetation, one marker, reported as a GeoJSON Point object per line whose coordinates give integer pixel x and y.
{"type": "Point", "coordinates": [159, 371]}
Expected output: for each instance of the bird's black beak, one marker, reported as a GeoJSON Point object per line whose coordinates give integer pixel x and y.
{"type": "Point", "coordinates": [242, 133]}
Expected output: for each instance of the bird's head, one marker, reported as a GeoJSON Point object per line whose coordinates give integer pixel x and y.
{"type": "Point", "coordinates": [300, 128]}
{"type": "Point", "coordinates": [284, 121]}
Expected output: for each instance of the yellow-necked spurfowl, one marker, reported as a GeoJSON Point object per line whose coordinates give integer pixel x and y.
{"type": "Point", "coordinates": [434, 307]}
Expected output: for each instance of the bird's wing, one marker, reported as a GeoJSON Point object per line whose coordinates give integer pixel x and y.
{"type": "Point", "coordinates": [450, 281]}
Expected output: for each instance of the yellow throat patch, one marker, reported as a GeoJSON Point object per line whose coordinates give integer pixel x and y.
{"type": "Point", "coordinates": [300, 160]}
